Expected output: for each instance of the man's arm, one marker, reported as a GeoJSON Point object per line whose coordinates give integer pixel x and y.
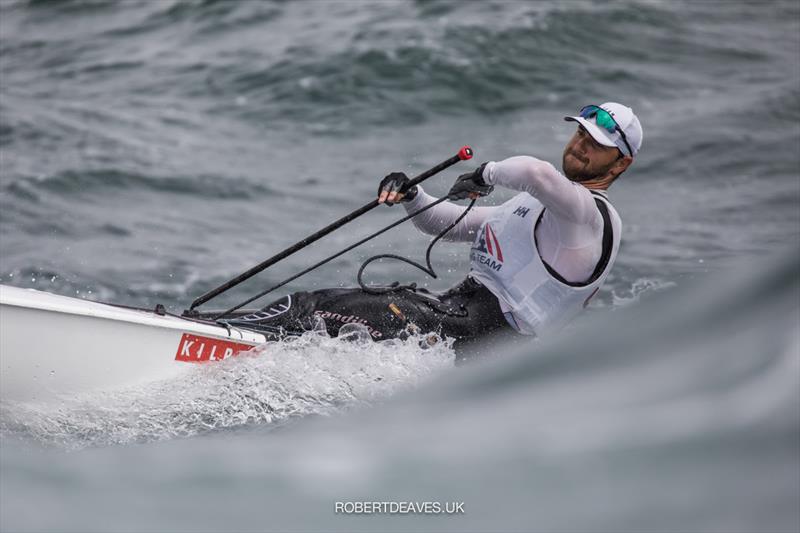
{"type": "Point", "coordinates": [435, 220]}
{"type": "Point", "coordinates": [540, 179]}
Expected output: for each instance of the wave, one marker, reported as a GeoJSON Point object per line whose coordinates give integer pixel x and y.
{"type": "Point", "coordinates": [374, 71]}
{"type": "Point", "coordinates": [696, 388]}
{"type": "Point", "coordinates": [103, 181]}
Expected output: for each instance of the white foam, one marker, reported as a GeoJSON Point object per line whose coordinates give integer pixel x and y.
{"type": "Point", "coordinates": [309, 375]}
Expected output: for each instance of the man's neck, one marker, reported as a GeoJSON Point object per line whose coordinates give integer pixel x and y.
{"type": "Point", "coordinates": [600, 184]}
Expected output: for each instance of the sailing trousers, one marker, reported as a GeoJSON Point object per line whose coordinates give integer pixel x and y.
{"type": "Point", "coordinates": [468, 312]}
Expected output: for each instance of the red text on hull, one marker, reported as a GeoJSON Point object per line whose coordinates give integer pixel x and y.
{"type": "Point", "coordinates": [196, 349]}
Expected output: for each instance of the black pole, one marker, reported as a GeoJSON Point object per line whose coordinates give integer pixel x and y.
{"type": "Point", "coordinates": [462, 155]}
{"type": "Point", "coordinates": [331, 258]}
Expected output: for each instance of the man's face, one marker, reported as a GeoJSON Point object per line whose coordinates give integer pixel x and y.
{"type": "Point", "coordinates": [586, 159]}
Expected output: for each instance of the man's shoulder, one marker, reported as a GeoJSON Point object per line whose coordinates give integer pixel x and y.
{"type": "Point", "coordinates": [601, 196]}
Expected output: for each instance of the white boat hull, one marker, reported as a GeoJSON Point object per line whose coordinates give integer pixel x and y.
{"type": "Point", "coordinates": [55, 346]}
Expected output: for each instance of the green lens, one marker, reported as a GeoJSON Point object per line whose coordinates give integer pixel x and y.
{"type": "Point", "coordinates": [604, 120]}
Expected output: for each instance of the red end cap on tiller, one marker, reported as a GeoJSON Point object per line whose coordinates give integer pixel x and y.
{"type": "Point", "coordinates": [465, 153]}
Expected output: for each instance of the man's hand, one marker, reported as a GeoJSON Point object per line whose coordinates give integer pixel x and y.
{"type": "Point", "coordinates": [394, 189]}
{"type": "Point", "coordinates": [470, 185]}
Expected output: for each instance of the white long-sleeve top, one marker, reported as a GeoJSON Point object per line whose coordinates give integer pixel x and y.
{"type": "Point", "coordinates": [570, 235]}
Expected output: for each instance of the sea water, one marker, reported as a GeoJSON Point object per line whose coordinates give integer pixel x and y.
{"type": "Point", "coordinates": [150, 150]}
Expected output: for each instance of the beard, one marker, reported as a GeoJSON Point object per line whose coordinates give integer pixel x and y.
{"type": "Point", "coordinates": [578, 169]}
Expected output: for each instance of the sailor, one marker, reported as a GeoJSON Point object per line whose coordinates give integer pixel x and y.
{"type": "Point", "coordinates": [536, 260]}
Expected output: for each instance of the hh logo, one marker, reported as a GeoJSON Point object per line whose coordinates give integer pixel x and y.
{"type": "Point", "coordinates": [522, 211]}
{"type": "Point", "coordinates": [196, 349]}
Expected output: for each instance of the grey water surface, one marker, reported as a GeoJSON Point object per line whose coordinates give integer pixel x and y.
{"type": "Point", "coordinates": [150, 150]}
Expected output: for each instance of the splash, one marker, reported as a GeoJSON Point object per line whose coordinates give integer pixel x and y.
{"type": "Point", "coordinates": [275, 385]}
{"type": "Point", "coordinates": [638, 288]}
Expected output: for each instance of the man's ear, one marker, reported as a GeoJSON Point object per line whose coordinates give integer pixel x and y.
{"type": "Point", "coordinates": [620, 165]}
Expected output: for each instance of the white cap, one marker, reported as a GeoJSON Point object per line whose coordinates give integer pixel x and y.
{"type": "Point", "coordinates": [626, 120]}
